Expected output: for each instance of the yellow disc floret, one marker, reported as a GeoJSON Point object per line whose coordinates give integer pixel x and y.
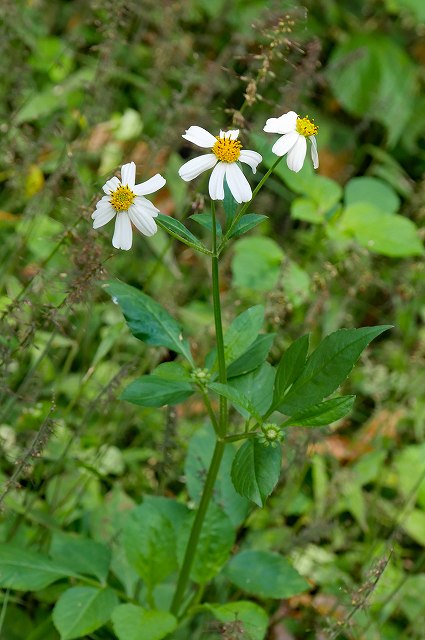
{"type": "Point", "coordinates": [227, 150]}
{"type": "Point", "coordinates": [122, 198]}
{"type": "Point", "coordinates": [306, 127]}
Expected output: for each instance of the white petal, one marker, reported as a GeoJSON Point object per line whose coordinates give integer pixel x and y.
{"type": "Point", "coordinates": [250, 157]}
{"type": "Point", "coordinates": [142, 220]}
{"type": "Point", "coordinates": [123, 234]}
{"type": "Point", "coordinates": [238, 184]}
{"type": "Point", "coordinates": [285, 143]}
{"type": "Point", "coordinates": [314, 154]}
{"type": "Point", "coordinates": [103, 217]}
{"type": "Point", "coordinates": [111, 185]}
{"type": "Point", "coordinates": [101, 206]}
{"type": "Point", "coordinates": [128, 174]}
{"type": "Point", "coordinates": [296, 156]}
{"type": "Point", "coordinates": [200, 136]}
{"type": "Point", "coordinates": [233, 134]}
{"type": "Point", "coordinates": [284, 124]}
{"type": "Point", "coordinates": [149, 186]}
{"type": "Point", "coordinates": [215, 186]}
{"type": "Point", "coordinates": [147, 205]}
{"type": "Point", "coordinates": [195, 167]}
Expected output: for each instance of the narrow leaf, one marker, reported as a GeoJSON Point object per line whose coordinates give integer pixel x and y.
{"type": "Point", "coordinates": [290, 367]}
{"type": "Point", "coordinates": [205, 220]}
{"type": "Point", "coordinates": [148, 321]}
{"type": "Point", "coordinates": [322, 413]}
{"type": "Point", "coordinates": [246, 223]}
{"type": "Point", "coordinates": [176, 229]}
{"type": "Point", "coordinates": [230, 205]}
{"type": "Point", "coordinates": [256, 470]}
{"type": "Point", "coordinates": [237, 398]}
{"type": "Point", "coordinates": [242, 332]}
{"type": "Point", "coordinates": [253, 357]}
{"type": "Point", "coordinates": [81, 610]}
{"type": "Point", "coordinates": [131, 622]}
{"type": "Point", "coordinates": [154, 391]}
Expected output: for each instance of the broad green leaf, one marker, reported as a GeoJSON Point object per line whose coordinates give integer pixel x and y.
{"type": "Point", "coordinates": [237, 398]}
{"type": "Point", "coordinates": [176, 229]}
{"type": "Point", "coordinates": [172, 371]}
{"type": "Point", "coordinates": [253, 357]}
{"type": "Point", "coordinates": [290, 366]}
{"type": "Point", "coordinates": [296, 284]}
{"type": "Point", "coordinates": [256, 470]}
{"type": "Point", "coordinates": [323, 413]}
{"type": "Point", "coordinates": [148, 321]}
{"type": "Point", "coordinates": [81, 555]}
{"type": "Point", "coordinates": [131, 622]}
{"type": "Point", "coordinates": [229, 204]}
{"type": "Point", "coordinates": [389, 234]}
{"type": "Point", "coordinates": [173, 511]}
{"type": "Point", "coordinates": [205, 220]}
{"type": "Point", "coordinates": [327, 367]}
{"type": "Point", "coordinates": [306, 209]}
{"type": "Point", "coordinates": [242, 332]}
{"type": "Point", "coordinates": [254, 619]}
{"type": "Point", "coordinates": [371, 190]}
{"type": "Point", "coordinates": [215, 544]}
{"type": "Point", "coordinates": [265, 574]}
{"type": "Point", "coordinates": [256, 263]}
{"type": "Point", "coordinates": [149, 540]}
{"type": "Point", "coordinates": [200, 451]}
{"type": "Point", "coordinates": [256, 385]}
{"type": "Point", "coordinates": [27, 570]}
{"type": "Point", "coordinates": [154, 391]}
{"type": "Point", "coordinates": [81, 610]}
{"type": "Point", "coordinates": [246, 223]}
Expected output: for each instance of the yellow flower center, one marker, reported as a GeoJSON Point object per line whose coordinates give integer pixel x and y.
{"type": "Point", "coordinates": [122, 198]}
{"type": "Point", "coordinates": [227, 150]}
{"type": "Point", "coordinates": [306, 127]}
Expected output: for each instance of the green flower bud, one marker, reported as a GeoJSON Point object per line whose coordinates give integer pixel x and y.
{"type": "Point", "coordinates": [271, 434]}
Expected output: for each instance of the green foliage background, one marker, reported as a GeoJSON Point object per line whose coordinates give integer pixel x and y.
{"type": "Point", "coordinates": [87, 86]}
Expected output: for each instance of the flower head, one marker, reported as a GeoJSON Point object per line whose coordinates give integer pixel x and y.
{"type": "Point", "coordinates": [295, 130]}
{"type": "Point", "coordinates": [224, 160]}
{"type": "Point", "coordinates": [124, 199]}
{"type": "Point", "coordinates": [271, 434]}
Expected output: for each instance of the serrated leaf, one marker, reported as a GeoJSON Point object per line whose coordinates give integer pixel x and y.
{"type": "Point", "coordinates": [147, 319]}
{"type": "Point", "coordinates": [327, 367]}
{"type": "Point", "coordinates": [290, 366]}
{"type": "Point", "coordinates": [155, 391]}
{"type": "Point", "coordinates": [240, 335]}
{"type": "Point", "coordinates": [253, 357]}
{"type": "Point", "coordinates": [265, 574]}
{"type": "Point", "coordinates": [131, 622]}
{"type": "Point", "coordinates": [205, 220]}
{"type": "Point", "coordinates": [81, 555]}
{"type": "Point", "coordinates": [176, 229]}
{"type": "Point", "coordinates": [27, 570]}
{"type": "Point", "coordinates": [256, 470]}
{"type": "Point", "coordinates": [81, 610]}
{"type": "Point", "coordinates": [322, 413]}
{"type": "Point", "coordinates": [256, 385]}
{"type": "Point", "coordinates": [237, 398]}
{"type": "Point", "coordinates": [246, 223]}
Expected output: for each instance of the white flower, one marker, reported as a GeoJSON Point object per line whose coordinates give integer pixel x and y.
{"type": "Point", "coordinates": [124, 199]}
{"type": "Point", "coordinates": [293, 141]}
{"type": "Point", "coordinates": [226, 153]}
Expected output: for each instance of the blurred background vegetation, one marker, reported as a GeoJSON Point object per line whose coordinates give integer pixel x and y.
{"type": "Point", "coordinates": [88, 85]}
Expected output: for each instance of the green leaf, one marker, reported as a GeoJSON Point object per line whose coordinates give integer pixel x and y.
{"type": "Point", "coordinates": [131, 622]}
{"type": "Point", "coordinates": [147, 320]}
{"type": "Point", "coordinates": [154, 391]}
{"type": "Point", "coordinates": [253, 619]}
{"type": "Point", "coordinates": [176, 229]}
{"type": "Point", "coordinates": [373, 191]}
{"type": "Point", "coordinates": [229, 204]}
{"type": "Point", "coordinates": [327, 367]}
{"type": "Point", "coordinates": [242, 332]}
{"type": "Point", "coordinates": [215, 544]}
{"type": "Point", "coordinates": [256, 385]}
{"type": "Point", "coordinates": [322, 413]}
{"type": "Point", "coordinates": [81, 555]}
{"type": "Point", "coordinates": [253, 357]}
{"type": "Point", "coordinates": [27, 570]}
{"type": "Point", "coordinates": [256, 263]}
{"type": "Point", "coordinates": [389, 234]}
{"type": "Point", "coordinates": [265, 574]}
{"type": "Point", "coordinates": [205, 220]}
{"type": "Point", "coordinates": [256, 470]}
{"type": "Point", "coordinates": [306, 209]}
{"type": "Point", "coordinates": [237, 398]}
{"type": "Point", "coordinates": [81, 610]}
{"type": "Point", "coordinates": [200, 451]}
{"type": "Point", "coordinates": [246, 223]}
{"type": "Point", "coordinates": [172, 371]}
{"type": "Point", "coordinates": [290, 366]}
{"type": "Point", "coordinates": [149, 541]}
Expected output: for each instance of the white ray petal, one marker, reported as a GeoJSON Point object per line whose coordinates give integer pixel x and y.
{"type": "Point", "coordinates": [238, 184]}
{"type": "Point", "coordinates": [111, 185]}
{"type": "Point", "coordinates": [103, 217]}
{"type": "Point", "coordinates": [284, 124]}
{"type": "Point", "coordinates": [296, 156]}
{"type": "Point", "coordinates": [285, 143]}
{"type": "Point", "coordinates": [146, 205]}
{"type": "Point", "coordinates": [195, 167]}
{"type": "Point", "coordinates": [252, 158]}
{"type": "Point", "coordinates": [149, 186]}
{"type": "Point", "coordinates": [200, 136]}
{"type": "Point", "coordinates": [102, 205]}
{"type": "Point", "coordinates": [128, 174]}
{"type": "Point", "coordinates": [233, 134]}
{"type": "Point", "coordinates": [215, 186]}
{"type": "Point", "coordinates": [142, 220]}
{"type": "Point", "coordinates": [314, 153]}
{"type": "Point", "coordinates": [123, 234]}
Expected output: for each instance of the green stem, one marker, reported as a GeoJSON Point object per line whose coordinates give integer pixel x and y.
{"type": "Point", "coordinates": [246, 205]}
{"type": "Point", "coordinates": [240, 436]}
